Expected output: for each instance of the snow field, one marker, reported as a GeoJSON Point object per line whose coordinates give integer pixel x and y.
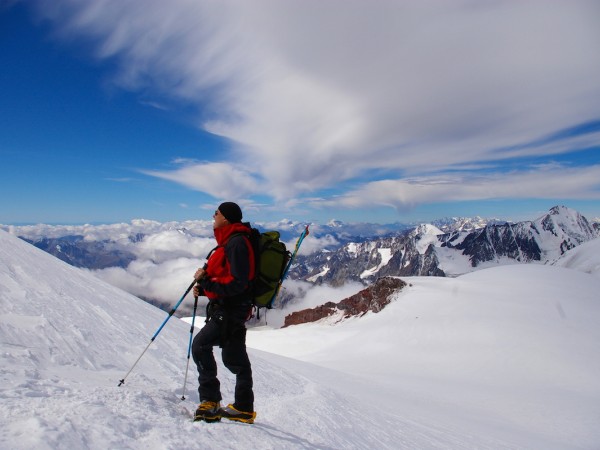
{"type": "Point", "coordinates": [503, 358]}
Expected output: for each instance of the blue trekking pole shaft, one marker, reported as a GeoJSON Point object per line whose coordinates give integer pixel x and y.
{"type": "Point", "coordinates": [159, 329]}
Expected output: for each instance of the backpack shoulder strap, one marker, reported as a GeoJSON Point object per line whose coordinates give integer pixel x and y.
{"type": "Point", "coordinates": [251, 250]}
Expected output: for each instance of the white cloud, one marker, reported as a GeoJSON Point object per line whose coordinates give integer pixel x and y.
{"type": "Point", "coordinates": [168, 254]}
{"type": "Point", "coordinates": [165, 281]}
{"type": "Point", "coordinates": [221, 180]}
{"type": "Point", "coordinates": [316, 93]}
{"type": "Point", "coordinates": [170, 244]}
{"type": "Point", "coordinates": [166, 257]}
{"type": "Point", "coordinates": [552, 181]}
{"type": "Point", "coordinates": [312, 244]}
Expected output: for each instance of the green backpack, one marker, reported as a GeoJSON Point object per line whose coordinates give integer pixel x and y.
{"type": "Point", "coordinates": [272, 261]}
{"type": "Point", "coordinates": [271, 258]}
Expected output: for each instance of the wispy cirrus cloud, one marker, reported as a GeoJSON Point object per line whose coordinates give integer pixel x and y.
{"type": "Point", "coordinates": [317, 95]}
{"type": "Point", "coordinates": [221, 180]}
{"type": "Point", "coordinates": [550, 181]}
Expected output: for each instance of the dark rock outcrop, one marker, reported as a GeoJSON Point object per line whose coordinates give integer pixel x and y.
{"type": "Point", "coordinates": [374, 298]}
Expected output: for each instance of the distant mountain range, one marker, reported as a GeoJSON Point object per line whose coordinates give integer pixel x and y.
{"type": "Point", "coordinates": [464, 246]}
{"type": "Point", "coordinates": [78, 252]}
{"type": "Point", "coordinates": [346, 252]}
{"type": "Point", "coordinates": [115, 245]}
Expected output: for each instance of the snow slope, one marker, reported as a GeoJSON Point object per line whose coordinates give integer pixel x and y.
{"type": "Point", "coordinates": [512, 349]}
{"type": "Point", "coordinates": [585, 257]}
{"type": "Point", "coordinates": [450, 364]}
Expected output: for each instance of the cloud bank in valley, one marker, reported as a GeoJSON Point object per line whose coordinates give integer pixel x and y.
{"type": "Point", "coordinates": [165, 255]}
{"type": "Point", "coordinates": [387, 103]}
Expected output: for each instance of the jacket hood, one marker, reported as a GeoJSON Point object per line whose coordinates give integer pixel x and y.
{"type": "Point", "coordinates": [223, 234]}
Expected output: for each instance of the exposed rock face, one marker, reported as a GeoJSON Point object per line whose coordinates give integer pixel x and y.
{"type": "Point", "coordinates": [406, 255]}
{"type": "Point", "coordinates": [374, 298]}
{"type": "Point", "coordinates": [424, 250]}
{"type": "Point", "coordinates": [542, 240]}
{"type": "Point", "coordinates": [516, 242]}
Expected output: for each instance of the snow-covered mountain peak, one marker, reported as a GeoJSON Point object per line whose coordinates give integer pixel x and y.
{"type": "Point", "coordinates": [563, 216]}
{"type": "Point", "coordinates": [460, 224]}
{"type": "Point", "coordinates": [570, 221]}
{"type": "Point", "coordinates": [425, 235]}
{"type": "Point", "coordinates": [426, 229]}
{"type": "Point", "coordinates": [562, 210]}
{"type": "Point", "coordinates": [562, 229]}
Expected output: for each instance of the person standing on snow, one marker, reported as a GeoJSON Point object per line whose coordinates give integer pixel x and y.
{"type": "Point", "coordinates": [225, 280]}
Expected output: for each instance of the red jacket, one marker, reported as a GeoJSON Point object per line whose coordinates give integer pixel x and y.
{"type": "Point", "coordinates": [230, 266]}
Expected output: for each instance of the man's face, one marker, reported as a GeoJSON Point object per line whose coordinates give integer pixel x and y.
{"type": "Point", "coordinates": [219, 220]}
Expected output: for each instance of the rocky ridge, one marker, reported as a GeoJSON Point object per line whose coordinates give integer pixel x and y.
{"type": "Point", "coordinates": [428, 251]}
{"type": "Point", "coordinates": [374, 298]}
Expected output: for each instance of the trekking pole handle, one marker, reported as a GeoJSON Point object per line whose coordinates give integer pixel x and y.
{"type": "Point", "coordinates": [203, 269]}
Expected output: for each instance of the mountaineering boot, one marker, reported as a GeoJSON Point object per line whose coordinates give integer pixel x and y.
{"type": "Point", "coordinates": [208, 411]}
{"type": "Point", "coordinates": [232, 413]}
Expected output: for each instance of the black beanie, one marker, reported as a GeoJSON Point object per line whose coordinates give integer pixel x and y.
{"type": "Point", "coordinates": [231, 211]}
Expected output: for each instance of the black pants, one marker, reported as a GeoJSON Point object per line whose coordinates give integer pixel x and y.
{"type": "Point", "coordinates": [229, 332]}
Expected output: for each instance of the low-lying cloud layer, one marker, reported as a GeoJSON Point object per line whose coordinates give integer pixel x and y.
{"type": "Point", "coordinates": [166, 255]}
{"type": "Point", "coordinates": [370, 102]}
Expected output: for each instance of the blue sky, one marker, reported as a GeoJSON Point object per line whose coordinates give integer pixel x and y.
{"type": "Point", "coordinates": [350, 110]}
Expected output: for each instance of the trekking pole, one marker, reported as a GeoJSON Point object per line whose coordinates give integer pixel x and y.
{"type": "Point", "coordinates": [159, 330]}
{"type": "Point", "coordinates": [187, 366]}
{"type": "Point", "coordinates": [298, 243]}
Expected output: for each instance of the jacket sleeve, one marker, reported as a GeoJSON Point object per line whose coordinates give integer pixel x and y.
{"type": "Point", "coordinates": [238, 256]}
